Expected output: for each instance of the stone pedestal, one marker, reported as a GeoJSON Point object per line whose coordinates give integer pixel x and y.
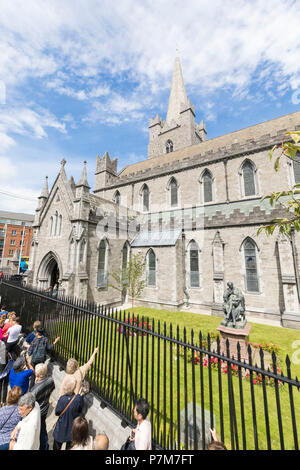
{"type": "Point", "coordinates": [234, 336]}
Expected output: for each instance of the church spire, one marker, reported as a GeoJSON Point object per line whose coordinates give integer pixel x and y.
{"type": "Point", "coordinates": [45, 191]}
{"type": "Point", "coordinates": [177, 94]}
{"type": "Point", "coordinates": [83, 180]}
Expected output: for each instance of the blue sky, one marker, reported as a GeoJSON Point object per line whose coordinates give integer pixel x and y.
{"type": "Point", "coordinates": [81, 77]}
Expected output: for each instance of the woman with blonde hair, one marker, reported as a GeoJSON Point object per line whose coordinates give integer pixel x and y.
{"type": "Point", "coordinates": [68, 407]}
{"type": "Point", "coordinates": [11, 316]}
{"type": "Point", "coordinates": [72, 368]}
{"type": "Point", "coordinates": [9, 416]}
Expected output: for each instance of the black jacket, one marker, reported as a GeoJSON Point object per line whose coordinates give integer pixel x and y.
{"type": "Point", "coordinates": [42, 391]}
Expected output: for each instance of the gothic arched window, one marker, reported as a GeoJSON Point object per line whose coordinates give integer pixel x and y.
{"type": "Point", "coordinates": [194, 264]}
{"type": "Point", "coordinates": [82, 251]}
{"type": "Point", "coordinates": [174, 192]}
{"type": "Point", "coordinates": [72, 248]}
{"type": "Point", "coordinates": [125, 255]}
{"type": "Point", "coordinates": [151, 268]}
{"type": "Point", "coordinates": [117, 198]}
{"type": "Point", "coordinates": [59, 225]}
{"type": "Point", "coordinates": [51, 227]}
{"type": "Point", "coordinates": [145, 197]}
{"type": "Point", "coordinates": [296, 167]}
{"type": "Point", "coordinates": [169, 146]}
{"type": "Point", "coordinates": [102, 264]}
{"type": "Point", "coordinates": [250, 250]}
{"type": "Point", "coordinates": [207, 183]}
{"type": "Point", "coordinates": [55, 223]}
{"type": "Point", "coordinates": [248, 178]}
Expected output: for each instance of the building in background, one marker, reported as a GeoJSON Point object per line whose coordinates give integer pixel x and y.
{"type": "Point", "coordinates": [15, 239]}
{"type": "Point", "coordinates": [192, 207]}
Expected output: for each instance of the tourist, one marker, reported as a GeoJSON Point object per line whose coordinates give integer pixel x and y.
{"type": "Point", "coordinates": [13, 335]}
{"type": "Point", "coordinates": [72, 368]}
{"type": "Point", "coordinates": [40, 346]}
{"type": "Point", "coordinates": [101, 442]}
{"type": "Point", "coordinates": [81, 440]}
{"type": "Point", "coordinates": [1, 335]}
{"type": "Point", "coordinates": [26, 435]}
{"type": "Point", "coordinates": [32, 335]}
{"type": "Point", "coordinates": [142, 433]}
{"type": "Point", "coordinates": [55, 290]}
{"type": "Point", "coordinates": [3, 355]}
{"type": "Point", "coordinates": [20, 374]}
{"type": "Point", "coordinates": [3, 310]}
{"type": "Point", "coordinates": [2, 320]}
{"type": "Point", "coordinates": [8, 323]}
{"type": "Point", "coordinates": [42, 390]}
{"type": "Point", "coordinates": [68, 407]}
{"type": "Point", "coordinates": [9, 416]}
{"type": "Point", "coordinates": [216, 444]}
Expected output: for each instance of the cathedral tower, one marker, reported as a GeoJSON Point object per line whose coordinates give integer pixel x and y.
{"type": "Point", "coordinates": [179, 130]}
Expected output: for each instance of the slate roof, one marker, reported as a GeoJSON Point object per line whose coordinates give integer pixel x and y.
{"type": "Point", "coordinates": [156, 238]}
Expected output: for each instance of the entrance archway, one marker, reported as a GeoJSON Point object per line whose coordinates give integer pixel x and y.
{"type": "Point", "coordinates": [50, 271]}
{"type": "Point", "coordinates": [54, 274]}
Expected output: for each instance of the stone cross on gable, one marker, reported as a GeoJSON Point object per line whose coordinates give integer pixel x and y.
{"type": "Point", "coordinates": [63, 162]}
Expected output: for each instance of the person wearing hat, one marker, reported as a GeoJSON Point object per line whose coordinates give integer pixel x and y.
{"type": "Point", "coordinates": [20, 374]}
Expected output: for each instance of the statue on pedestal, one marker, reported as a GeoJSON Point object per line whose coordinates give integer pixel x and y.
{"type": "Point", "coordinates": [234, 307]}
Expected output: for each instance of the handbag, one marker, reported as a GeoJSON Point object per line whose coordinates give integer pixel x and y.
{"type": "Point", "coordinates": [7, 420]}
{"type": "Point", "coordinates": [85, 385]}
{"type": "Point", "coordinates": [129, 445]}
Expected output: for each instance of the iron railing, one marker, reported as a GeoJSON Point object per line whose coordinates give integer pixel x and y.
{"type": "Point", "coordinates": [189, 384]}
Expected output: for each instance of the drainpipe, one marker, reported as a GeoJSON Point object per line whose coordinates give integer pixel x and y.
{"type": "Point", "coordinates": [184, 272]}
{"type": "Point", "coordinates": [295, 261]}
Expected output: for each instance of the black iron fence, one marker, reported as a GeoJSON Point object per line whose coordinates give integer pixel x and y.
{"type": "Point", "coordinates": [190, 385]}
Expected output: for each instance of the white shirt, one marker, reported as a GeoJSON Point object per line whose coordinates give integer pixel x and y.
{"type": "Point", "coordinates": [88, 446]}
{"type": "Point", "coordinates": [143, 439]}
{"type": "Point", "coordinates": [13, 333]}
{"type": "Point", "coordinates": [30, 426]}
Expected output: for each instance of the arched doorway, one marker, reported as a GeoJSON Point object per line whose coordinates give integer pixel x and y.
{"type": "Point", "coordinates": [49, 272]}
{"type": "Point", "coordinates": [54, 276]}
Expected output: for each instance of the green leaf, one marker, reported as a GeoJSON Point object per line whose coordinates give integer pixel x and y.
{"type": "Point", "coordinates": [295, 135]}
{"type": "Point", "coordinates": [272, 151]}
{"type": "Point", "coordinates": [276, 166]}
{"type": "Point", "coordinates": [290, 150]}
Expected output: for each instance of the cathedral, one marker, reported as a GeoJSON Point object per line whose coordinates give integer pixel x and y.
{"type": "Point", "coordinates": [192, 208]}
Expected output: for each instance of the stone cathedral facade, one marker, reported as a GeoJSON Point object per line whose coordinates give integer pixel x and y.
{"type": "Point", "coordinates": [192, 208]}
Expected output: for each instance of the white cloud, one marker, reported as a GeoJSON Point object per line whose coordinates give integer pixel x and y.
{"type": "Point", "coordinates": [5, 142]}
{"type": "Point", "coordinates": [221, 43]}
{"type": "Point", "coordinates": [25, 121]}
{"type": "Point", "coordinates": [8, 171]}
{"type": "Point", "coordinates": [116, 58]}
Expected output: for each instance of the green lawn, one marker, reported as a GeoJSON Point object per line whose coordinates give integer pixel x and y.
{"type": "Point", "coordinates": [170, 376]}
{"type": "Point", "coordinates": [283, 337]}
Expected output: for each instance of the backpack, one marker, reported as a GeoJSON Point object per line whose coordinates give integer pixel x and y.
{"type": "Point", "coordinates": [39, 351]}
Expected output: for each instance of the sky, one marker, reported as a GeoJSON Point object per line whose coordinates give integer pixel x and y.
{"type": "Point", "coordinates": [82, 77]}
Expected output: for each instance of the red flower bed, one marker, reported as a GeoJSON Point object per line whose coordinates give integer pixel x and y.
{"type": "Point", "coordinates": [134, 322]}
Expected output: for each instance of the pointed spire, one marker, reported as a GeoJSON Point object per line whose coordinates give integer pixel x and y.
{"type": "Point", "coordinates": [45, 191]}
{"type": "Point", "coordinates": [83, 180]}
{"type": "Point", "coordinates": [177, 94]}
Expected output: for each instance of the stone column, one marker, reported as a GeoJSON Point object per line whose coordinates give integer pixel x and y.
{"type": "Point", "coordinates": [291, 313]}
{"type": "Point", "coordinates": [218, 275]}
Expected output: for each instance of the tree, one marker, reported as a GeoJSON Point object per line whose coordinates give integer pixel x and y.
{"type": "Point", "coordinates": [291, 204]}
{"type": "Point", "coordinates": [131, 277]}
